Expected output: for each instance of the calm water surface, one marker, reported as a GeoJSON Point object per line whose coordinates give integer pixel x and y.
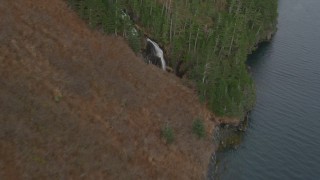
{"type": "Point", "coordinates": [283, 138]}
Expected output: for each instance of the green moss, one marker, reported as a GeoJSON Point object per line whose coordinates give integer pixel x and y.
{"type": "Point", "coordinates": [168, 134]}
{"type": "Point", "coordinates": [198, 128]}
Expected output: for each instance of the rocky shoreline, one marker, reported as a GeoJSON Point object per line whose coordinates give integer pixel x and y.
{"type": "Point", "coordinates": [229, 131]}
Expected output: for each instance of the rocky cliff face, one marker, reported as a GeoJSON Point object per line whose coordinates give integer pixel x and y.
{"type": "Point", "coordinates": [77, 104]}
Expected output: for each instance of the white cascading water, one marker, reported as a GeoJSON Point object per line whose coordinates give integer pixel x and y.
{"type": "Point", "coordinates": [159, 53]}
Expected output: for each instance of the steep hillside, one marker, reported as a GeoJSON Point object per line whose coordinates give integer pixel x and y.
{"type": "Point", "coordinates": [75, 104]}
{"type": "Point", "coordinates": [204, 41]}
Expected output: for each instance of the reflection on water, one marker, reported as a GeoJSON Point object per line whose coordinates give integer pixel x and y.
{"type": "Point", "coordinates": [283, 136]}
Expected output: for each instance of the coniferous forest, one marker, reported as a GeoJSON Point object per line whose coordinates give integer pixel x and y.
{"type": "Point", "coordinates": [206, 41]}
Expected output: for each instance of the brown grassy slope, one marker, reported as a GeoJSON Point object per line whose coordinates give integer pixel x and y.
{"type": "Point", "coordinates": [75, 104]}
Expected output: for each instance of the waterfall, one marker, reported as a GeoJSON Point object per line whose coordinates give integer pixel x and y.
{"type": "Point", "coordinates": [159, 53]}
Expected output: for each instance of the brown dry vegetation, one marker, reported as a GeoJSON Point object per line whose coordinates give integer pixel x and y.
{"type": "Point", "coordinates": [75, 104]}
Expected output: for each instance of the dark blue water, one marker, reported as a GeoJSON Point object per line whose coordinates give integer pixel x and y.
{"type": "Point", "coordinates": [283, 138]}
